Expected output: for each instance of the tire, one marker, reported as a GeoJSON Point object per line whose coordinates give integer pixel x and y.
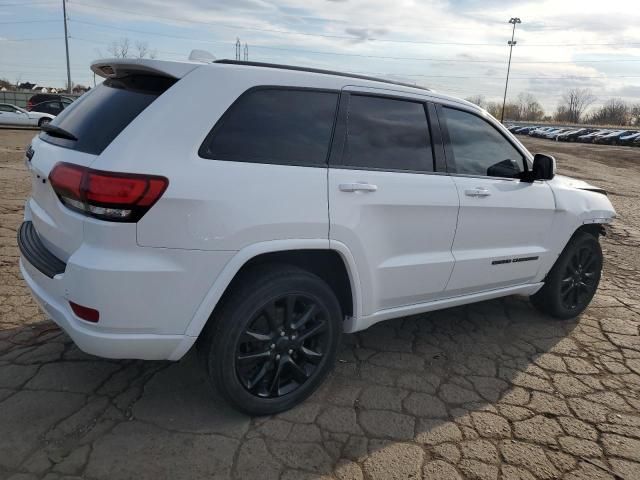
{"type": "Point", "coordinates": [256, 333]}
{"type": "Point", "coordinates": [573, 280]}
{"type": "Point", "coordinates": [43, 121]}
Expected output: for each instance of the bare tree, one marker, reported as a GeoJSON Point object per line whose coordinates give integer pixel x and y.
{"type": "Point", "coordinates": [123, 49]}
{"type": "Point", "coordinates": [143, 50]}
{"type": "Point", "coordinates": [614, 112]}
{"type": "Point", "coordinates": [529, 109]}
{"type": "Point", "coordinates": [575, 103]}
{"type": "Point", "coordinates": [478, 100]}
{"type": "Point", "coordinates": [635, 114]}
{"type": "Point", "coordinates": [119, 48]}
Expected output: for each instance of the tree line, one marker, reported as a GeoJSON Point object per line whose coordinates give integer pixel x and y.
{"type": "Point", "coordinates": [574, 107]}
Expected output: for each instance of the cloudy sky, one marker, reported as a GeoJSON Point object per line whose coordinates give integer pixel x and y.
{"type": "Point", "coordinates": [454, 46]}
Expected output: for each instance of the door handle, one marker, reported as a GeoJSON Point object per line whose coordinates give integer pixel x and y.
{"type": "Point", "coordinates": [357, 187]}
{"type": "Point", "coordinates": [477, 192]}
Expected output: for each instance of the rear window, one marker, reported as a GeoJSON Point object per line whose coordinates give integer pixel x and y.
{"type": "Point", "coordinates": [278, 126]}
{"type": "Point", "coordinates": [99, 116]}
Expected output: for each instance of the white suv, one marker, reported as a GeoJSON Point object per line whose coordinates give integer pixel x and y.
{"type": "Point", "coordinates": [263, 210]}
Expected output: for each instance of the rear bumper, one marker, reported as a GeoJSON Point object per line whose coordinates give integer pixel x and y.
{"type": "Point", "coordinates": [49, 293]}
{"type": "Point", "coordinates": [147, 297]}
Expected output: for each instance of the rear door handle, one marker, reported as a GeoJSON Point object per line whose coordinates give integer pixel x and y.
{"type": "Point", "coordinates": [477, 192]}
{"type": "Point", "coordinates": [357, 187]}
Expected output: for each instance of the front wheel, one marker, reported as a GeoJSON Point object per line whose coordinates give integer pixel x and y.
{"type": "Point", "coordinates": [273, 340]}
{"type": "Point", "coordinates": [573, 280]}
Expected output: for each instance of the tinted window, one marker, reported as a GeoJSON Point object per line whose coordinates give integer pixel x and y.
{"type": "Point", "coordinates": [7, 108]}
{"type": "Point", "coordinates": [480, 149]}
{"type": "Point", "coordinates": [99, 116]}
{"type": "Point", "coordinates": [48, 107]}
{"type": "Point", "coordinates": [275, 126]}
{"type": "Point", "coordinates": [387, 134]}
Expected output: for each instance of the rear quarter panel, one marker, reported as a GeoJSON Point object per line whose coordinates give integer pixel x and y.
{"type": "Point", "coordinates": [212, 204]}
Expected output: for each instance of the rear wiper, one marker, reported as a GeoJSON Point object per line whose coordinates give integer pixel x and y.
{"type": "Point", "coordinates": [58, 132]}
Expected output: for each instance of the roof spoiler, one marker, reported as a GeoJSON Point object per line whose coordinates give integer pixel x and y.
{"type": "Point", "coordinates": [122, 67]}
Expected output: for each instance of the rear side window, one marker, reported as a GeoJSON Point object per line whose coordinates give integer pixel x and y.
{"type": "Point", "coordinates": [98, 117]}
{"type": "Point", "coordinates": [277, 126]}
{"type": "Point", "coordinates": [480, 149]}
{"type": "Point", "coordinates": [387, 134]}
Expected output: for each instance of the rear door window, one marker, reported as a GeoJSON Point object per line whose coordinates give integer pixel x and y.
{"type": "Point", "coordinates": [100, 115]}
{"type": "Point", "coordinates": [277, 126]}
{"type": "Point", "coordinates": [387, 134]}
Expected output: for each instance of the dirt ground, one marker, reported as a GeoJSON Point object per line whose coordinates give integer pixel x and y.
{"type": "Point", "coordinates": [489, 391]}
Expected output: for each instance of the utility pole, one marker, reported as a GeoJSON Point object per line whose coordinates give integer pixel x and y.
{"type": "Point", "coordinates": [238, 48]}
{"type": "Point", "coordinates": [511, 43]}
{"type": "Point", "coordinates": [66, 44]}
{"type": "Point", "coordinates": [246, 52]}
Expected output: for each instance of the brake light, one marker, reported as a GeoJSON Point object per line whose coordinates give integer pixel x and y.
{"type": "Point", "coordinates": [120, 197]}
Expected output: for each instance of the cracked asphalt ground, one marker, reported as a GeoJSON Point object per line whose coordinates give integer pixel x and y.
{"type": "Point", "coordinates": [487, 391]}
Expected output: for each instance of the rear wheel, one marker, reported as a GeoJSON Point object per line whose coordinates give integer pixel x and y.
{"type": "Point", "coordinates": [573, 280]}
{"type": "Point", "coordinates": [274, 339]}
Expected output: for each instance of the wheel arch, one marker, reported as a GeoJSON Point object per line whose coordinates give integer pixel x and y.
{"type": "Point", "coordinates": [318, 256]}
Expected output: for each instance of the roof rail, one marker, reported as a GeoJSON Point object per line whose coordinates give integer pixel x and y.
{"type": "Point", "coordinates": [316, 70]}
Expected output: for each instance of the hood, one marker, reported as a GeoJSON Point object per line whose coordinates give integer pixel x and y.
{"type": "Point", "coordinates": [574, 183]}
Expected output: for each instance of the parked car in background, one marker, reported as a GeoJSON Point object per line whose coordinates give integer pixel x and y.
{"type": "Point", "coordinates": [612, 137]}
{"type": "Point", "coordinates": [539, 132]}
{"type": "Point", "coordinates": [13, 115]}
{"type": "Point", "coordinates": [553, 134]}
{"type": "Point", "coordinates": [39, 98]}
{"type": "Point", "coordinates": [571, 135]}
{"type": "Point", "coordinates": [629, 139]}
{"type": "Point", "coordinates": [589, 138]}
{"type": "Point", "coordinates": [53, 107]}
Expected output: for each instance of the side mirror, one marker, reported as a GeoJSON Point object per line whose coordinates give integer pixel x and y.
{"type": "Point", "coordinates": [544, 168]}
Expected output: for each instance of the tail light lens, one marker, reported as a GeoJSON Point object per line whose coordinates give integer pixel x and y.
{"type": "Point", "coordinates": [89, 314]}
{"type": "Point", "coordinates": [117, 197]}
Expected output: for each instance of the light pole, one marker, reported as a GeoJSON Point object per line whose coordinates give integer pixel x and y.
{"type": "Point", "coordinates": [66, 45]}
{"type": "Point", "coordinates": [511, 43]}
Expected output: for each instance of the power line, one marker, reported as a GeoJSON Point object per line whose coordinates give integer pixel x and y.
{"type": "Point", "coordinates": [27, 21]}
{"type": "Point", "coordinates": [29, 39]}
{"type": "Point", "coordinates": [349, 37]}
{"type": "Point", "coordinates": [25, 4]}
{"type": "Point", "coordinates": [343, 54]}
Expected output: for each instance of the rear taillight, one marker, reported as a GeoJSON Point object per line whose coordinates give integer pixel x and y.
{"type": "Point", "coordinates": [29, 105]}
{"type": "Point", "coordinates": [119, 197]}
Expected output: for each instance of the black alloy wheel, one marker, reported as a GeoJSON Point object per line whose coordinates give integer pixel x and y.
{"type": "Point", "coordinates": [580, 278]}
{"type": "Point", "coordinates": [282, 346]}
{"type": "Point", "coordinates": [273, 338]}
{"type": "Point", "coordinates": [573, 280]}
